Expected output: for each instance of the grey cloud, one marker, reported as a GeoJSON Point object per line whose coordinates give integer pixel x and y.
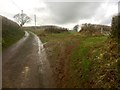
{"type": "Point", "coordinates": [71, 12]}
{"type": "Point", "coordinates": [106, 20]}
{"type": "Point", "coordinates": [39, 9]}
{"type": "Point", "coordinates": [119, 7]}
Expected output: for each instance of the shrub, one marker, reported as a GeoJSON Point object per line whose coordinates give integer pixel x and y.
{"type": "Point", "coordinates": [115, 33]}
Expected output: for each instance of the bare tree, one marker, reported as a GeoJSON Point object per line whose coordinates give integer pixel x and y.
{"type": "Point", "coordinates": [22, 18]}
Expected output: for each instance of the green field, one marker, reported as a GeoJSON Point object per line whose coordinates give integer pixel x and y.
{"type": "Point", "coordinates": [80, 61]}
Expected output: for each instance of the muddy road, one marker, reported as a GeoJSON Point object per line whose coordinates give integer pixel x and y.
{"type": "Point", "coordinates": [25, 64]}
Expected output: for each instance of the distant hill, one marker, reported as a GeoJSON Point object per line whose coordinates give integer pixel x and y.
{"type": "Point", "coordinates": [11, 32]}
{"type": "Point", "coordinates": [48, 28]}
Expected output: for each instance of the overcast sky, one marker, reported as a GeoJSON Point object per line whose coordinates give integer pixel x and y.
{"type": "Point", "coordinates": [65, 13]}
